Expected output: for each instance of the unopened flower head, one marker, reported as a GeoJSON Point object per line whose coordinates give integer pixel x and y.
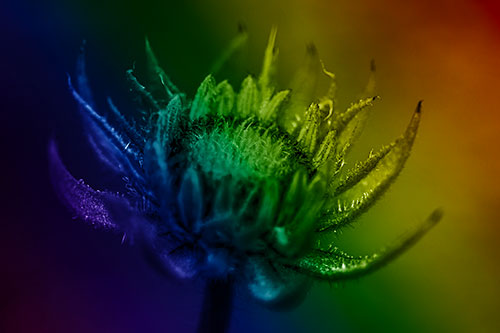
{"type": "Point", "coordinates": [239, 183]}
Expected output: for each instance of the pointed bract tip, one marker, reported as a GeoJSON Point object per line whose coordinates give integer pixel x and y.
{"type": "Point", "coordinates": [373, 68]}
{"type": "Point", "coordinates": [272, 39]}
{"type": "Point", "coordinates": [436, 216]}
{"type": "Point", "coordinates": [52, 146]}
{"type": "Point", "coordinates": [242, 28]}
{"type": "Point", "coordinates": [83, 45]}
{"type": "Point", "coordinates": [70, 84]}
{"type": "Point", "coordinates": [147, 46]}
{"type": "Point", "coordinates": [419, 107]}
{"type": "Point", "coordinates": [311, 49]}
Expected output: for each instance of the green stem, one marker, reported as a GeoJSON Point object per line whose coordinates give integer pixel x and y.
{"type": "Point", "coordinates": [217, 307]}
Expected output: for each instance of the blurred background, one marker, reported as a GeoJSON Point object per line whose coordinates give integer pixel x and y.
{"type": "Point", "coordinates": [58, 275]}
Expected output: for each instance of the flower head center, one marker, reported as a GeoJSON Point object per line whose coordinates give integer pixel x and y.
{"type": "Point", "coordinates": [245, 152]}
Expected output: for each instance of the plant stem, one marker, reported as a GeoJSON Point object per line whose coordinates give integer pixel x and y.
{"type": "Point", "coordinates": [217, 307]}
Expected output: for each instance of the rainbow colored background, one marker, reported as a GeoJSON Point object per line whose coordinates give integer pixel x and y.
{"type": "Point", "coordinates": [58, 275]}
